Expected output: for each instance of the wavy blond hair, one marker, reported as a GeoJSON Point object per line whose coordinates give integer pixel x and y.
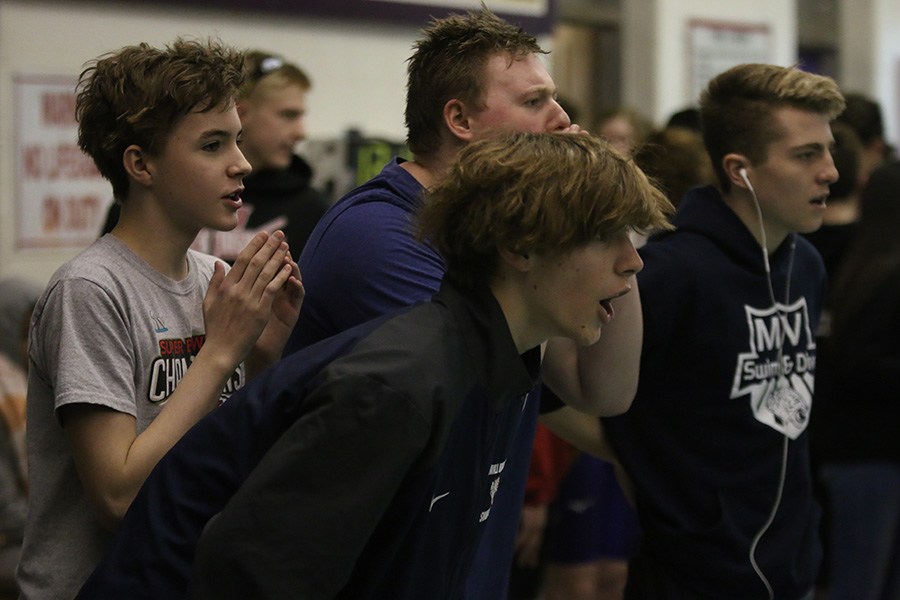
{"type": "Point", "coordinates": [547, 193]}
{"type": "Point", "coordinates": [737, 109]}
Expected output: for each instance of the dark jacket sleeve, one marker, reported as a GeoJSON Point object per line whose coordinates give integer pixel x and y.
{"type": "Point", "coordinates": [298, 524]}
{"type": "Point", "coordinates": [151, 555]}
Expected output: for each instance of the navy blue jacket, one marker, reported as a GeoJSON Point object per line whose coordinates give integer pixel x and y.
{"type": "Point", "coordinates": [363, 261]}
{"type": "Point", "coordinates": [362, 467]}
{"type": "Point", "coordinates": [703, 440]}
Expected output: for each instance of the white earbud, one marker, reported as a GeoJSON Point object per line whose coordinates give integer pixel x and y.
{"type": "Point", "coordinates": [743, 173]}
{"type": "Point", "coordinates": [762, 229]}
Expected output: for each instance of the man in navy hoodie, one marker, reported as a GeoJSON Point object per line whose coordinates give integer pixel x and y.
{"type": "Point", "coordinates": [715, 443]}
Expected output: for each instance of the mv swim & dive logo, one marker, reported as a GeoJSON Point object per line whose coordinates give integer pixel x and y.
{"type": "Point", "coordinates": [780, 391]}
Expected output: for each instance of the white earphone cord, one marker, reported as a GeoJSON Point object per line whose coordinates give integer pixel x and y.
{"type": "Point", "coordinates": [784, 451]}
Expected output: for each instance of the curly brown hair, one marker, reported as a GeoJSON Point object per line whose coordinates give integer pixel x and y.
{"type": "Point", "coordinates": [676, 160]}
{"type": "Point", "coordinates": [547, 193]}
{"type": "Point", "coordinates": [138, 94]}
{"type": "Point", "coordinates": [448, 63]}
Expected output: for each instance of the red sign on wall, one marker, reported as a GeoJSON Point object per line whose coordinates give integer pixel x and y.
{"type": "Point", "coordinates": [61, 199]}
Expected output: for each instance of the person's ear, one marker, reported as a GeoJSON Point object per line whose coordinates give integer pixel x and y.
{"type": "Point", "coordinates": [137, 166]}
{"type": "Point", "coordinates": [456, 117]}
{"type": "Point", "coordinates": [243, 107]}
{"type": "Point", "coordinates": [736, 169]}
{"type": "Point", "coordinates": [520, 261]}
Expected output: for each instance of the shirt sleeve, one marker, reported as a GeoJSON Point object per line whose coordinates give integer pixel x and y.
{"type": "Point", "coordinates": [83, 349]}
{"type": "Point", "coordinates": [304, 515]}
{"type": "Point", "coordinates": [666, 289]}
{"type": "Point", "coordinates": [366, 263]}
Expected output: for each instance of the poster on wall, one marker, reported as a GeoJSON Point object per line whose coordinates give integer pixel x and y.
{"type": "Point", "coordinates": [716, 46]}
{"type": "Point", "coordinates": [61, 199]}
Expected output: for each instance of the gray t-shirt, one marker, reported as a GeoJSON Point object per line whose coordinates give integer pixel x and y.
{"type": "Point", "coordinates": [108, 330]}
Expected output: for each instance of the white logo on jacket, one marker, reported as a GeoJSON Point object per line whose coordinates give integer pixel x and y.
{"type": "Point", "coordinates": [495, 469]}
{"type": "Point", "coordinates": [780, 391]}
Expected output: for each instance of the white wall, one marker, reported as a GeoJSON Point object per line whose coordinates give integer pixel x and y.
{"type": "Point", "coordinates": [655, 34]}
{"type": "Point", "coordinates": [358, 69]}
{"type": "Point", "coordinates": [358, 73]}
{"type": "Point", "coordinates": [870, 55]}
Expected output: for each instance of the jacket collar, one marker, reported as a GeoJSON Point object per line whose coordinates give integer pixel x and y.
{"type": "Point", "coordinates": [502, 372]}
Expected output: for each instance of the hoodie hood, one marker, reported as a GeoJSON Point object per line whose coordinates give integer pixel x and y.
{"type": "Point", "coordinates": [703, 211]}
{"type": "Point", "coordinates": [269, 182]}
